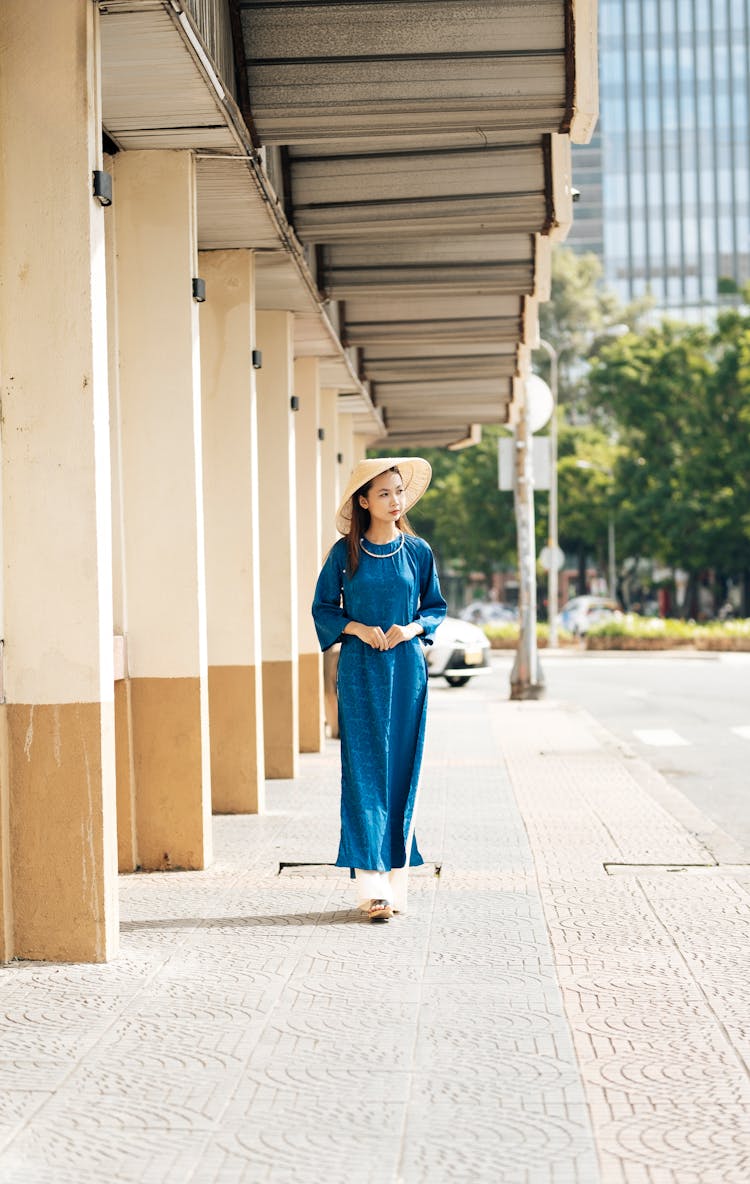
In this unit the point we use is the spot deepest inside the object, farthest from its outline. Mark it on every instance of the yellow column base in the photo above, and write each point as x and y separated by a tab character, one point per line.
237	767
64	905
172	824
281	719
311	732
127	849
6	901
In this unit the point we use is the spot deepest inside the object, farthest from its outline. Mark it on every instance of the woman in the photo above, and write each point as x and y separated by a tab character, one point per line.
378	594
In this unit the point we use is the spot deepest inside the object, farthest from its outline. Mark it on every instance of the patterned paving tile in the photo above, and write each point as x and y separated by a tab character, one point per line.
650	1009
531	1020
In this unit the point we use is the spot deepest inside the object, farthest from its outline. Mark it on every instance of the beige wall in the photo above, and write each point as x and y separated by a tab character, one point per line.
58	800
230	466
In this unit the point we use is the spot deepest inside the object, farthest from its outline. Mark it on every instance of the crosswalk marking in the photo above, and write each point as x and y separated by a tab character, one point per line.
660	737
743	730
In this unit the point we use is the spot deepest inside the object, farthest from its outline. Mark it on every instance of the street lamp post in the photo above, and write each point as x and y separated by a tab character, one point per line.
611	545
552	544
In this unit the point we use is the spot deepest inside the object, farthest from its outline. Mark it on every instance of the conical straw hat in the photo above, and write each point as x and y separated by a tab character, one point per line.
415	474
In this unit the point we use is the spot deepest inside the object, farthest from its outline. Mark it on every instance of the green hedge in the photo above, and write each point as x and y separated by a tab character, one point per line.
505	636
632	632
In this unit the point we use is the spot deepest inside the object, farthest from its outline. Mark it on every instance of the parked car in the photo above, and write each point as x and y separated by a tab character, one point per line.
580	613
483	612
459	651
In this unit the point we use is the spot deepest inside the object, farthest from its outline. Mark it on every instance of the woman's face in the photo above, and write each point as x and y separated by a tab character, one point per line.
385	498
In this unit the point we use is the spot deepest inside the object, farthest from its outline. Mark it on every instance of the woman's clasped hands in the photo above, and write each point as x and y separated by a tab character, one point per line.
379	639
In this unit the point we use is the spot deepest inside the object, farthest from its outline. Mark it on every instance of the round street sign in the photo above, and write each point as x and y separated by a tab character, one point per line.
539	402
547	554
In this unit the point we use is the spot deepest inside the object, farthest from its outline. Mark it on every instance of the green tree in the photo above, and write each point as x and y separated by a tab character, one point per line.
587	456
468	521
680	395
578	316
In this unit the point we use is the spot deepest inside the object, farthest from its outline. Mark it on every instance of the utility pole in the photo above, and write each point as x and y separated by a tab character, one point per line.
612	561
526	679
552	541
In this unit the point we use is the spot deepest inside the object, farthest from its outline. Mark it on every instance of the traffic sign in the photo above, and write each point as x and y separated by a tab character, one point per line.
547	554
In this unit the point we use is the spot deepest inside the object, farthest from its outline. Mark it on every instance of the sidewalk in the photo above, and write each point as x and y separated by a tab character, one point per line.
549	1011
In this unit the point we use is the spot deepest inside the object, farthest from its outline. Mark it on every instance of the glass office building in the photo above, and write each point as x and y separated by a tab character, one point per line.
664	184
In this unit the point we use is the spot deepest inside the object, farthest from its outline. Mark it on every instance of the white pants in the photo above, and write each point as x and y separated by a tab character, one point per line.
391	886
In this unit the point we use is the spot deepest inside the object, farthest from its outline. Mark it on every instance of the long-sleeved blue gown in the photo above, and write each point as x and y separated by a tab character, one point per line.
382	693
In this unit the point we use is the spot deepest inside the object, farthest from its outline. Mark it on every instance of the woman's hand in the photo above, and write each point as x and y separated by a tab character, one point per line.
371	635
398	633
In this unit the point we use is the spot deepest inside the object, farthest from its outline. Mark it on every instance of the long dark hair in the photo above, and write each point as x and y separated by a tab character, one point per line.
360	522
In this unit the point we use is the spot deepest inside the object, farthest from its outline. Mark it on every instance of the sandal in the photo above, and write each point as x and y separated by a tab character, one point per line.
379	910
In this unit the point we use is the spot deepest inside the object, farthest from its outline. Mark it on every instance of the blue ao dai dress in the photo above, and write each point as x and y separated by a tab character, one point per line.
382	693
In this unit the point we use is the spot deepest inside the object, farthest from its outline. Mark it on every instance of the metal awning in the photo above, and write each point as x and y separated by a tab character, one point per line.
400	166
161	89
423	151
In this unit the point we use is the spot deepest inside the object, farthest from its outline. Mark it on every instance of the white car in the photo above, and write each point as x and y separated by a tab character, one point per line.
580	613
485	612
459	651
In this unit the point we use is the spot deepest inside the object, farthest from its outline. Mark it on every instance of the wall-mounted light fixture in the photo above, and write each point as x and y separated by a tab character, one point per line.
257	359
103	187
321	433
294	403
199	290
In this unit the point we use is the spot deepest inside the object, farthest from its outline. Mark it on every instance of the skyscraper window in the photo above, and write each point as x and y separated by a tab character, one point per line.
665	182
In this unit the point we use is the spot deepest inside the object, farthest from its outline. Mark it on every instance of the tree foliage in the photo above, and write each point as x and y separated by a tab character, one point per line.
579	315
586	489
679	396
654	428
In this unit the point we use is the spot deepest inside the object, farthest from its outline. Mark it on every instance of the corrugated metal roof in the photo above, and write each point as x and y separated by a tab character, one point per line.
231	211
153	92
160	91
320	69
423	161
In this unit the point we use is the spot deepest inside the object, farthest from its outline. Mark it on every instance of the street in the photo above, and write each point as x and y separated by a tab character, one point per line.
689	717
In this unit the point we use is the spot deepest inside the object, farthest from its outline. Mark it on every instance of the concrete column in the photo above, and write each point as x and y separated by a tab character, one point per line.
330	469
309	489
346	447
359	447
230	467
332	475
127	847
57	761
278	543
6	886
162	497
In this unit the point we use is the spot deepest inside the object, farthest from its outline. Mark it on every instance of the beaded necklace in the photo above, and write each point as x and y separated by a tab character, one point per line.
374	554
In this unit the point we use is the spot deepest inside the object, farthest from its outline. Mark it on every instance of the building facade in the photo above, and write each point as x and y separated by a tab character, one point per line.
665	183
